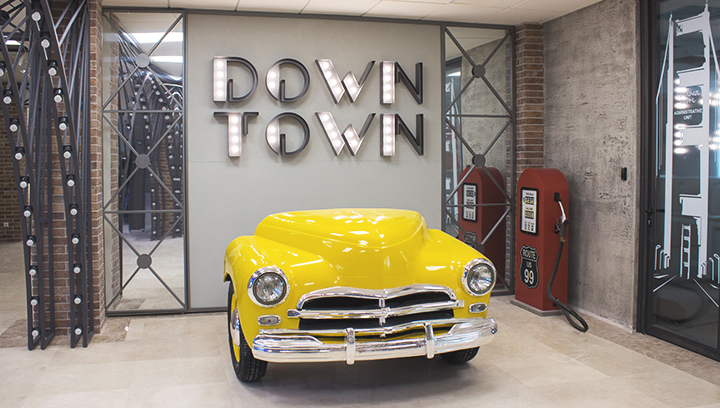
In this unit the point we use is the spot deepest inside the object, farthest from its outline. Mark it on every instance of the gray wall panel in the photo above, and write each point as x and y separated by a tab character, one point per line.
228	197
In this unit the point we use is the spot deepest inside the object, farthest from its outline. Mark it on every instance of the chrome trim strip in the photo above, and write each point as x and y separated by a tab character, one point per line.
375	313
429	341
465	334
385	330
343	291
350	349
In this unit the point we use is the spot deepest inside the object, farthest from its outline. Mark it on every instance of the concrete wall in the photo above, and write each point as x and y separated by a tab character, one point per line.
591	132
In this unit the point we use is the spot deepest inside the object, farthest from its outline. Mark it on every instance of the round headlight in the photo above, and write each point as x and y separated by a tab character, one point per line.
268	286
479	277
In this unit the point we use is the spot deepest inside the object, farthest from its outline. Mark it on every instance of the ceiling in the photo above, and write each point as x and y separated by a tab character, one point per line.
510	12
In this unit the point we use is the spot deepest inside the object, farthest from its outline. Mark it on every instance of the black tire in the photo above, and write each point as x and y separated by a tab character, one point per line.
248	368
460	356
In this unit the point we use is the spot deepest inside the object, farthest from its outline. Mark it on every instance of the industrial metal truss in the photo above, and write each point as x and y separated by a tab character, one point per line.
46	104
453	116
146	114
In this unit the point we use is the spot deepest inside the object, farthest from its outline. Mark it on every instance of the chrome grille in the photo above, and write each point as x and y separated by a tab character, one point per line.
342	307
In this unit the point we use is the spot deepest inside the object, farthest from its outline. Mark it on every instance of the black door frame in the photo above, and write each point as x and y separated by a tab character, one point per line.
648	71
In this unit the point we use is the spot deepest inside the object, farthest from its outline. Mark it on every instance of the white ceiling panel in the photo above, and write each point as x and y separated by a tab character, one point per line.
285	6
510	12
204	4
344	7
464	13
515	16
403	9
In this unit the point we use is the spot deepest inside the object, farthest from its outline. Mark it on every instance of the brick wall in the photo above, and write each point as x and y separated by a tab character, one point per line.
9	210
530	97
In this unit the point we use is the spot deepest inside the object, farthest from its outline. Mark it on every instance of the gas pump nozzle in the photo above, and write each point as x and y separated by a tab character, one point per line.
563	222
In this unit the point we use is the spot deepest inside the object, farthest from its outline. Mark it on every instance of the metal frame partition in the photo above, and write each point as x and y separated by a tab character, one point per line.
452	117
46	108
149	98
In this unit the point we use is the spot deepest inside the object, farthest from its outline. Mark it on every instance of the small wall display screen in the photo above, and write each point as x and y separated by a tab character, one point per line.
528	210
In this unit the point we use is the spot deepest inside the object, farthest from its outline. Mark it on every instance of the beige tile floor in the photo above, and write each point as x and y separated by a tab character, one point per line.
183	361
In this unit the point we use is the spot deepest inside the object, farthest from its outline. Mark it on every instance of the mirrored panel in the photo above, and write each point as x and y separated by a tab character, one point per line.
478	135
143	161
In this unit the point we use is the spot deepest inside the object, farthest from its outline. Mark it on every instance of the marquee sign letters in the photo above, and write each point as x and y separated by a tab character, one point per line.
391	125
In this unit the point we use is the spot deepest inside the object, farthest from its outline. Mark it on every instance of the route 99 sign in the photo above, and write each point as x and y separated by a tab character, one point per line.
528	267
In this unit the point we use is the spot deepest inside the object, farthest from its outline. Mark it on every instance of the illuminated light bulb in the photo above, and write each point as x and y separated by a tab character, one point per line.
336	142
271	129
7	99
353	89
272	139
77	300
33	302
328	74
220	64
333	134
32	271
325	65
67	152
333	82
14	125
234	129
272	74
234	119
219	84
19	153
272	85
30	241
235	139
388	121
352	142
52	68
63	125
387	68
71	180
235	149
388	149
387	87
58	98
24	182
678	142
325	117
77	268
78	331
337	90
388	139
75	239
28	211
45	42
220	94
35	333
388	129
387	97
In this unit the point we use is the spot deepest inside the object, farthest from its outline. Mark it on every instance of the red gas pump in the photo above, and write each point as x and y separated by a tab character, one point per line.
542	265
477	221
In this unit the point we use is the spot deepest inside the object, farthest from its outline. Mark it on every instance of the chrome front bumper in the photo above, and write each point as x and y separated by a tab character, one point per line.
292	346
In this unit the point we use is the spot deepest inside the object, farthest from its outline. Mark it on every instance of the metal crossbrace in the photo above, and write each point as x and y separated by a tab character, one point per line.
46	100
452	115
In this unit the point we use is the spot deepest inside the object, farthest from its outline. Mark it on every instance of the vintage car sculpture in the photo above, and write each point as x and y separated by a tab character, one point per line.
350	285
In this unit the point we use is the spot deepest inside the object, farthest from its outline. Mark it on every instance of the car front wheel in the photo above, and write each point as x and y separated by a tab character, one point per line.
247	367
460	356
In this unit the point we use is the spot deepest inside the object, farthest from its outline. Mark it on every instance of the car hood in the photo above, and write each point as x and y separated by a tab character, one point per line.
358	242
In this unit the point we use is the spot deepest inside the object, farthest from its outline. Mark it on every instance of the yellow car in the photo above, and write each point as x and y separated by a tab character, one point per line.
350	285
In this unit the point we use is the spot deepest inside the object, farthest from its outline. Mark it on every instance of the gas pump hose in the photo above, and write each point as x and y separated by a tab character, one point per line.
569	313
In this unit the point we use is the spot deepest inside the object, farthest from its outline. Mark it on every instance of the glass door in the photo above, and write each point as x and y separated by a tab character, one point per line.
683	285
